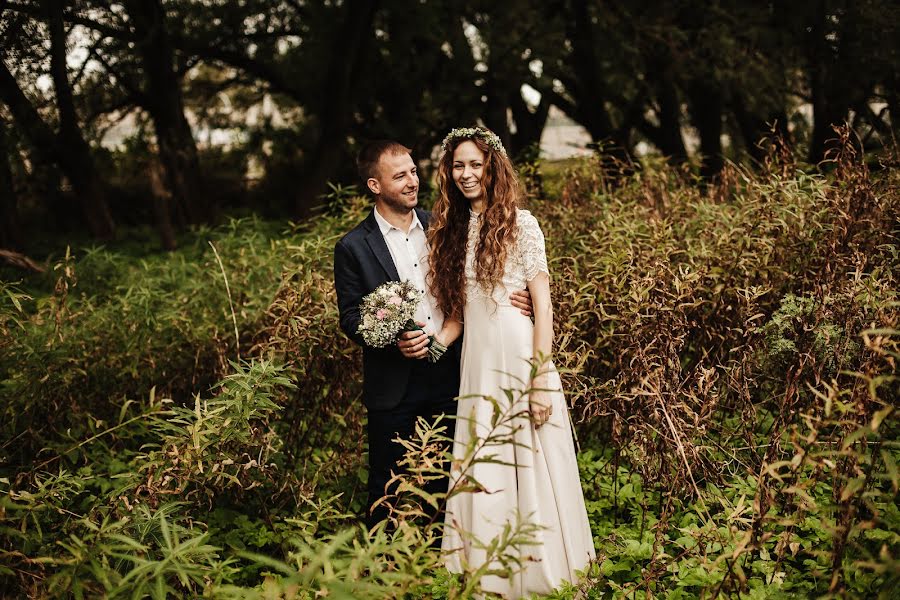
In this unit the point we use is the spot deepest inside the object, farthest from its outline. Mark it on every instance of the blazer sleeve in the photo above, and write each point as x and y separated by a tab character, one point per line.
348	284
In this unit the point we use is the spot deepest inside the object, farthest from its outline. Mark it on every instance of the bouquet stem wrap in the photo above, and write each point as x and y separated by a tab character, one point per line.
435	349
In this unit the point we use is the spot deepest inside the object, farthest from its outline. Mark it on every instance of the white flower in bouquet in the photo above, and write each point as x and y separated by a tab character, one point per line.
388	311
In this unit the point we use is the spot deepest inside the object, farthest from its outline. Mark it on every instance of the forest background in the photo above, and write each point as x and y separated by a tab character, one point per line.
181	415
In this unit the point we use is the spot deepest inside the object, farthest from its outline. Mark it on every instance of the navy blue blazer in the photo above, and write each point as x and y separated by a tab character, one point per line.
362	262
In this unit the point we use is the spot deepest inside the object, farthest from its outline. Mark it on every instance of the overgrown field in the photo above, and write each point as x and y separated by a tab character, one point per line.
731	355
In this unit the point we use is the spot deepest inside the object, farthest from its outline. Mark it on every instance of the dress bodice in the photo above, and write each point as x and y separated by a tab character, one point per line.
523	262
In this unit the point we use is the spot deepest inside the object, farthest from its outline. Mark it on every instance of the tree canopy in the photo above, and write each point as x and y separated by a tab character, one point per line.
300	84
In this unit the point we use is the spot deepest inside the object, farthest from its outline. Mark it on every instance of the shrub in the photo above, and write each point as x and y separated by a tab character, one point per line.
731	351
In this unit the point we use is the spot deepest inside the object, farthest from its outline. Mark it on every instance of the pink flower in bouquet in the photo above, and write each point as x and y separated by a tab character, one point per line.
381	314
395	300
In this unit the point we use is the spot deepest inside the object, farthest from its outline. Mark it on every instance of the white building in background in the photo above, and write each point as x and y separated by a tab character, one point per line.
563	137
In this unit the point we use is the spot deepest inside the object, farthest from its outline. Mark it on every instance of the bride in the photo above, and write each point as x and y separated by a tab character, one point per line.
482	248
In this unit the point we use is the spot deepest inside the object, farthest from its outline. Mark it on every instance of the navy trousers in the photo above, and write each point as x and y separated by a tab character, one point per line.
432	391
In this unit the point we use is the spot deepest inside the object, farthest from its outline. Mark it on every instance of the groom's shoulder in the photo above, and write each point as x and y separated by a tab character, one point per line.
424	216
357	234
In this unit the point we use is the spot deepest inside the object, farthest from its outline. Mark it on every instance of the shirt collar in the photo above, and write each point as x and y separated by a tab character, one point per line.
384	226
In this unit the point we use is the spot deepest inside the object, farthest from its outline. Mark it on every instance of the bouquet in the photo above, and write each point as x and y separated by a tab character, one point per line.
388	311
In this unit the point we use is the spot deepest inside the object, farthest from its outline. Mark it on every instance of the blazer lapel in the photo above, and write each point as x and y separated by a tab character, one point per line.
380	250
424	218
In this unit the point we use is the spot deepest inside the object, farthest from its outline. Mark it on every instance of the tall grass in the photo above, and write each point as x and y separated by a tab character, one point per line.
730	351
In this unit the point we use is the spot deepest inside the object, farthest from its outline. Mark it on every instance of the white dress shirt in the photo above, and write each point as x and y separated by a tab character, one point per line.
409	250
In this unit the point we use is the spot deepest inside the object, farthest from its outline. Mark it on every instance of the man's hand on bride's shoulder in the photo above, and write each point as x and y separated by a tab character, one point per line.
413	344
521	299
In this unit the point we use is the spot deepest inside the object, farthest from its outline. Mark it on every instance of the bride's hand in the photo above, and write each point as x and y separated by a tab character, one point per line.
541	407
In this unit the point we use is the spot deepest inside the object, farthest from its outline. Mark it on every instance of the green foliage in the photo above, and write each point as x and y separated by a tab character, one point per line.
147	553
730	352
219	444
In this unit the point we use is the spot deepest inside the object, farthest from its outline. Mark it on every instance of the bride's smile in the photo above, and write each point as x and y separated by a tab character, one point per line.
468	169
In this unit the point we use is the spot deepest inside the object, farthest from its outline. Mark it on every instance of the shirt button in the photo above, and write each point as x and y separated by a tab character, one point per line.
416	265
429	318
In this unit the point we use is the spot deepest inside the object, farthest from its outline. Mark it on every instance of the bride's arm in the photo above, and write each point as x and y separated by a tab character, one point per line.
539	399
450	332
539	287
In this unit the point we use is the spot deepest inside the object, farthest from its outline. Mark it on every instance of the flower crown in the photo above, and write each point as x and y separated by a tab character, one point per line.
489	137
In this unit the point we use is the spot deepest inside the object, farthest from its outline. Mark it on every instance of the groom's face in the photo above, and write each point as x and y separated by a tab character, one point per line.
396	181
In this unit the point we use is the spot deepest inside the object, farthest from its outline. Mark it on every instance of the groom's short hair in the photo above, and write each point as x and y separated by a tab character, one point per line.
371	153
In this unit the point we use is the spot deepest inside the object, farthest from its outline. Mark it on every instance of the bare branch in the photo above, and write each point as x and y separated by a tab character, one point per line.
123	81
126	101
258	69
74	18
92	53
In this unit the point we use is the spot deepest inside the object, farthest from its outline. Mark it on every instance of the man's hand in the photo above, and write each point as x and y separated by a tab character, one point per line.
521	299
414	344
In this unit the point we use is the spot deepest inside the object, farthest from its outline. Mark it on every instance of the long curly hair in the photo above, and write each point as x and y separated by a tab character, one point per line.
449	229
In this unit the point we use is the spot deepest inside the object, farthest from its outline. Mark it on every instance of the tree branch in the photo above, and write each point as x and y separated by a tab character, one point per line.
561	102
131	107
238	60
123	81
70	17
127	101
92	53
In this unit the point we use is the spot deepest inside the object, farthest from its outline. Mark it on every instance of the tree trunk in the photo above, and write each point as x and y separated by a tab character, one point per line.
75	154
670	138
667	137
162	200
893	104
10	232
706	114
49	148
497	90
495	115
590	101
337	105
165	103
529	125
825	112
752	127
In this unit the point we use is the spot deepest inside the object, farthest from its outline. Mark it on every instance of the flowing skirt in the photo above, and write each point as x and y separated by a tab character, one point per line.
524	478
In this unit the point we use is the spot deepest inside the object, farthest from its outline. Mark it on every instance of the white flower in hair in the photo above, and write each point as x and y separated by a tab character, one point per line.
466	133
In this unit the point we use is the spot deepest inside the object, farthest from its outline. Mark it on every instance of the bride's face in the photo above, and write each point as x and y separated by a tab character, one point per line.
468	169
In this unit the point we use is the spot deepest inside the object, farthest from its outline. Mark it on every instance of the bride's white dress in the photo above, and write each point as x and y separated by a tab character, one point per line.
539	482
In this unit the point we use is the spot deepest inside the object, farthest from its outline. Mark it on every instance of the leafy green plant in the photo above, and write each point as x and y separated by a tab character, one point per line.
730	352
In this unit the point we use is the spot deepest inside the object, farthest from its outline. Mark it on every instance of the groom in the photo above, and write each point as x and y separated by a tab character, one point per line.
399	385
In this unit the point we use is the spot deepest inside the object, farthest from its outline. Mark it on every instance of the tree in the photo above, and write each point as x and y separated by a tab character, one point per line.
847	44
419	76
161	96
67	147
310	54
336	103
10	232
83	173
136	52
509	39
586	74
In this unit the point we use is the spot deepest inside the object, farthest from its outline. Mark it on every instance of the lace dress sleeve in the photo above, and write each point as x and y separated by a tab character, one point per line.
531	246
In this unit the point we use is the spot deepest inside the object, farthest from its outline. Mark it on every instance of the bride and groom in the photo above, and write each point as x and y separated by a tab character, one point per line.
481	265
